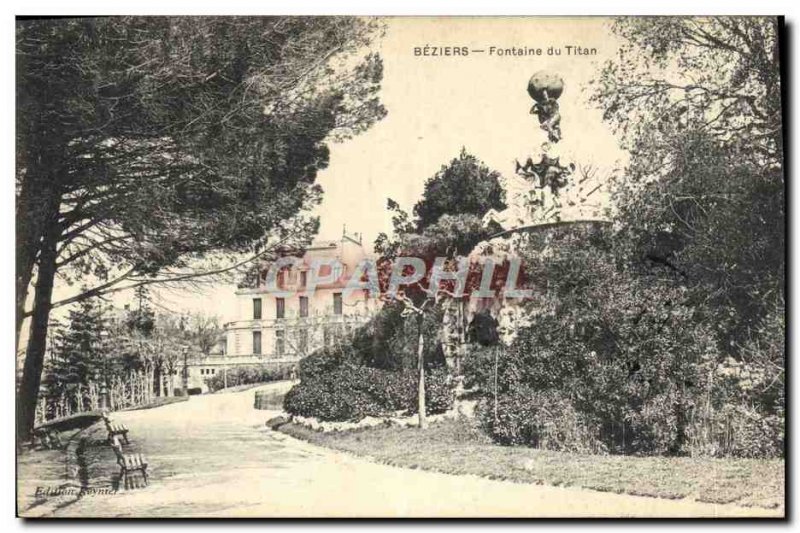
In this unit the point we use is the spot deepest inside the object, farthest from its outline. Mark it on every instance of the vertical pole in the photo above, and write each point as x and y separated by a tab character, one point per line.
495	384
185	371
423	423
104	403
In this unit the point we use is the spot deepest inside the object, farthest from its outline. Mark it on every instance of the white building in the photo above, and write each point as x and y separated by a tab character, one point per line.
285	327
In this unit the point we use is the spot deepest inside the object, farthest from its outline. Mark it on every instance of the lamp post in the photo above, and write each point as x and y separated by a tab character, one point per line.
104	403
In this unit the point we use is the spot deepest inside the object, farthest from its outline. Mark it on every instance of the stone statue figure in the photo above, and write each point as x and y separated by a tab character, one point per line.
549	118
545	88
548	172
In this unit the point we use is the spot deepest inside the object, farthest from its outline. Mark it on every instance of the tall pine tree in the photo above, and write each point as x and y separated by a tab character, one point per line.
79	361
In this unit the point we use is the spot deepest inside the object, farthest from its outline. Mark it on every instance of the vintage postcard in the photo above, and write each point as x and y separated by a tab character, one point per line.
396	267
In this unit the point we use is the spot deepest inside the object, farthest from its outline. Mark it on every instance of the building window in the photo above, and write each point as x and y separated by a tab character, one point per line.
257	343
280	307
303	306
303	278
281	281
280	342
337	303
256	308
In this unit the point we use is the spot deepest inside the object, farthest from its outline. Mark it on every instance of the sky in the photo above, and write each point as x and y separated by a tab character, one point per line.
437	105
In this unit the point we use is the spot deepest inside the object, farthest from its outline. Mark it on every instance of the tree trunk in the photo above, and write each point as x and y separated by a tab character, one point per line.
37	342
93	396
24	273
423	423
158	377
37	210
28	234
151	391
62	405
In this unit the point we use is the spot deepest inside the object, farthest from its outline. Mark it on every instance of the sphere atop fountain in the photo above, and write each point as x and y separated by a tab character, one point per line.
545	85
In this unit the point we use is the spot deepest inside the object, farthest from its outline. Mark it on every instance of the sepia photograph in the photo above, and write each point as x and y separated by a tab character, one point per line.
400	267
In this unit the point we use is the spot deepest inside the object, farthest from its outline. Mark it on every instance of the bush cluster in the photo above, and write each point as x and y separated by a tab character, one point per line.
375	372
625	362
543	420
349	392
246	375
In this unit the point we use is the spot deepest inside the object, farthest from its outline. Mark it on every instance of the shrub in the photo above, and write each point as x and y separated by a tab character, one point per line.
540	419
319	364
247	375
440	394
630	361
333	396
351	392
738	431
623	377
478	366
743	411
376	374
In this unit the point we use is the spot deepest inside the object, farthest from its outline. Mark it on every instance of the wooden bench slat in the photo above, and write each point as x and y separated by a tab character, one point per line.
48	438
115	429
129	463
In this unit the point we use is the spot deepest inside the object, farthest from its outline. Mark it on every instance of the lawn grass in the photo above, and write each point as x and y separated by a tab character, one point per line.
457	447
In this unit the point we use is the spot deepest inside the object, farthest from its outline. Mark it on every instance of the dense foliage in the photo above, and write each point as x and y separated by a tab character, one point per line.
134	356
465	186
247	375
623	356
351	392
447	219
374	372
76	362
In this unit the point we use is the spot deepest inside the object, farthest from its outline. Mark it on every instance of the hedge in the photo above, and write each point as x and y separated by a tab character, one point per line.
246	375
350	393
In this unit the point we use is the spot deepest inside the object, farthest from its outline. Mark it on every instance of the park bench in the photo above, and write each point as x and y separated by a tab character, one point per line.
48	438
128	464
115	430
